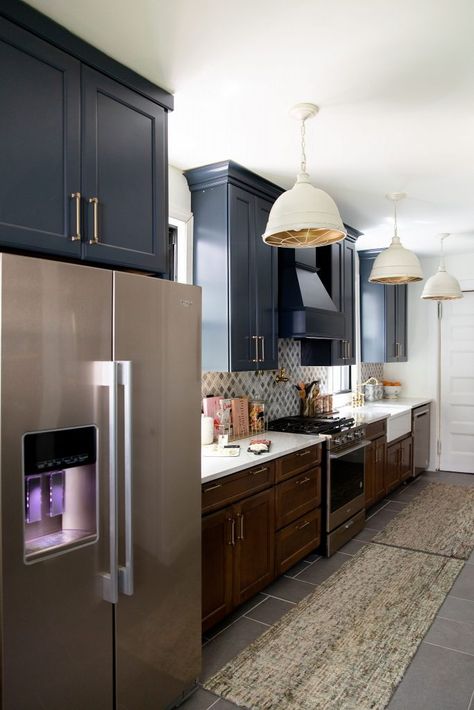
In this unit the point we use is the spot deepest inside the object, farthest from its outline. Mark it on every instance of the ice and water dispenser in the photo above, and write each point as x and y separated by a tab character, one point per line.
60	491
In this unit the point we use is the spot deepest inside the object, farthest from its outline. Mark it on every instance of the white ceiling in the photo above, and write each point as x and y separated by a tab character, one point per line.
394	80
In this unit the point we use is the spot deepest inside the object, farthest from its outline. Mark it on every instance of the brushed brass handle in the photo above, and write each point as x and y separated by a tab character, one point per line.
255	339
212	488
232	531
94	201
259	470
303	525
241	526
303	481
76	196
349	525
262	349
304	453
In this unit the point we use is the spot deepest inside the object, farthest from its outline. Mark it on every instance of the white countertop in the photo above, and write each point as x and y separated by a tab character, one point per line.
382	409
282	444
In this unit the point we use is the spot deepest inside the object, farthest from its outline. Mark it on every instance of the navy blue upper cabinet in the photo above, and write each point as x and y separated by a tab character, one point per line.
343	262
85	142
383	316
124	170
39	144
237	271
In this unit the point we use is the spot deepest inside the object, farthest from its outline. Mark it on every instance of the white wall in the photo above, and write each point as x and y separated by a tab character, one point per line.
419	375
181	216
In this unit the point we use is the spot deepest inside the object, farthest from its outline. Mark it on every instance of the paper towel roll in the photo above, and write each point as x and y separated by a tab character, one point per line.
207	430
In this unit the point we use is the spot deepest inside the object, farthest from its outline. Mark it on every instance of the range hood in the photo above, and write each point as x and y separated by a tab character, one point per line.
305	307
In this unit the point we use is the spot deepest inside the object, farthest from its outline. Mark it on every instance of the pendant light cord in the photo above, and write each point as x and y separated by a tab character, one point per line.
303	145
395	218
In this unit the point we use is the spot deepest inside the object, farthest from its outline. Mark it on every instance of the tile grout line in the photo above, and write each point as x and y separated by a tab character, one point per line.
455	621
470	702
378	511
214	703
280	599
448	648
236	620
310	564
463	599
257	621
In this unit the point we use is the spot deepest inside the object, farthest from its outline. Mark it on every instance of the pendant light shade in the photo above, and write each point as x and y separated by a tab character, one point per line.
442	286
396	265
304	216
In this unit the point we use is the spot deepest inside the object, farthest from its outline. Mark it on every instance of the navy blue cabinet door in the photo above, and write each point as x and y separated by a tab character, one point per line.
39	144
401	323
244	344
124	174
266	264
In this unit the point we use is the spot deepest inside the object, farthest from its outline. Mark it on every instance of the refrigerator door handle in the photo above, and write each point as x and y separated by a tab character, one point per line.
126	572
106	375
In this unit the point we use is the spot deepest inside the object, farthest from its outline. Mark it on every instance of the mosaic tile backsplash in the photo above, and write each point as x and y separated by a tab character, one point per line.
371	369
281	399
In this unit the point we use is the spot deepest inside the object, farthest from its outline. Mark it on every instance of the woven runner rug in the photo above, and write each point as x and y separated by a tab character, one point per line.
346	646
439	520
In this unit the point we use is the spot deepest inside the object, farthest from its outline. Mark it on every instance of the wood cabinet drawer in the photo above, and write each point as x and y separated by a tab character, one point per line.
345	532
293	464
297	496
376	429
222	491
297	539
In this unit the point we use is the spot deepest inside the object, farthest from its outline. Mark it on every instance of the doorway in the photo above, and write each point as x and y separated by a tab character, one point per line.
457	385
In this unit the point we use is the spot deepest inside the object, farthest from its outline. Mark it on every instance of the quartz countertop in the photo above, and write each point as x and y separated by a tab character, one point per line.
282	444
382	409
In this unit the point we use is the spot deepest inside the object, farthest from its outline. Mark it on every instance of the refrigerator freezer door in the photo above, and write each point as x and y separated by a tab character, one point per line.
158	628
56	320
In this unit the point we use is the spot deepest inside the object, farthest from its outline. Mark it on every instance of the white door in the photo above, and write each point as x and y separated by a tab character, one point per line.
457	385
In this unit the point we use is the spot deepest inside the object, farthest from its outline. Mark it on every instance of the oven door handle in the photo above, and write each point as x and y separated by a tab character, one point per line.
361	445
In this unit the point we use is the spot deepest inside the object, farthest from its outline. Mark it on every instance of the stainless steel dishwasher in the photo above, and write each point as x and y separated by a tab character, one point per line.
421	438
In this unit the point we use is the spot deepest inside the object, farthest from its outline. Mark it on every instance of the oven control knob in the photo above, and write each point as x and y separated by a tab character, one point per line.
350	436
337	441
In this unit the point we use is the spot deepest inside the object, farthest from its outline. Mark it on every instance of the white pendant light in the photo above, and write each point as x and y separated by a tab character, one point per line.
396	265
442	286
304	216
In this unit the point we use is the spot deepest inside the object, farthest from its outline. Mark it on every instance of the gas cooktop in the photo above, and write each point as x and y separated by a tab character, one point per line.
328	425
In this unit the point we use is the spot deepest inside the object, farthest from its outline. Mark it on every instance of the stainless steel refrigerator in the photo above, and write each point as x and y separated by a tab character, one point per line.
100	484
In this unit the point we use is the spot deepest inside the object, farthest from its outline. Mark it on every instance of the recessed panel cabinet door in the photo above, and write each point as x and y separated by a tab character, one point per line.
244	344
218	540
39	144
266	263
124	159
254	550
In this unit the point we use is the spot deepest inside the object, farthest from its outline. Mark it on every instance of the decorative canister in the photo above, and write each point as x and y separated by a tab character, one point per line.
373	390
257	416
207	430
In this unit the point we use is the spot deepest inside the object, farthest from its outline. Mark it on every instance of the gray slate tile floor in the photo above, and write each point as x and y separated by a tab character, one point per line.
441	674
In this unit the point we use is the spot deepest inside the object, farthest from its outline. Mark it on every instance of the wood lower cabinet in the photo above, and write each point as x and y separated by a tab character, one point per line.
217	559
375	462
399	465
406	458
254	528
237	554
254	545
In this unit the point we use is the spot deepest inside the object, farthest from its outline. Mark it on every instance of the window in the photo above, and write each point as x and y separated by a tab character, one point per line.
341	379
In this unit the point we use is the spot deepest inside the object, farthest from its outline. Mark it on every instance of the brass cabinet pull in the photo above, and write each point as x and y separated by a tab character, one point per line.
77	197
303	481
262	359
232	531
211	488
255	339
240	535
94	201
303	525
304	453
259	470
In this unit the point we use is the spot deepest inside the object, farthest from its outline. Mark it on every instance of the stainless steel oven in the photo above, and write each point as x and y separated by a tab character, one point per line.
345	495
